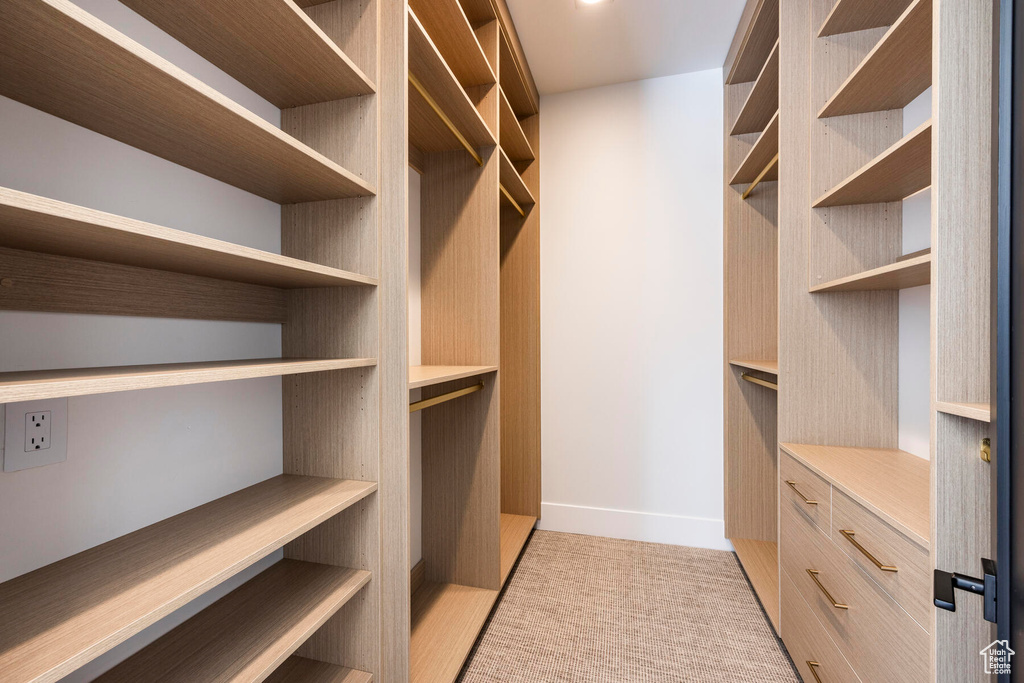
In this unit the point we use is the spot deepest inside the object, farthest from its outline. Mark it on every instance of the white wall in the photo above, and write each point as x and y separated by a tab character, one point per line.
631	310
135	458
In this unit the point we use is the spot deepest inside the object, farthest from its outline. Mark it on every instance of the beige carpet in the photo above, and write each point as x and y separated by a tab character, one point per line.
580	608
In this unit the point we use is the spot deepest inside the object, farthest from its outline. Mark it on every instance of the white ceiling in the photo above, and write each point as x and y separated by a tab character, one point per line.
622	40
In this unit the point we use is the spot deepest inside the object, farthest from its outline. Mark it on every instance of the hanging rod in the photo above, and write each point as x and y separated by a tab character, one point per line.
514	202
757	181
444	118
428	402
762	382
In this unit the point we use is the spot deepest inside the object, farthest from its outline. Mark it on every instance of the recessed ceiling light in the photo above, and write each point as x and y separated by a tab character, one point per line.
590	3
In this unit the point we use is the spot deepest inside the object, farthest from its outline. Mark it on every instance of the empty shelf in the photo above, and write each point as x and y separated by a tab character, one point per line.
912	272
301	670
427	375
448	27
972	411
515	531
427	131
33	385
247	634
274	48
513	182
895	72
857	15
760	155
769	366
513	139
513	81
446	620
895	174
763	101
112	591
760	560
891	483
64	61
757	43
49	226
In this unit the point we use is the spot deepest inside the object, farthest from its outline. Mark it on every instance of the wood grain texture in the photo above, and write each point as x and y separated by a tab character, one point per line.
247	634
448	27
64	61
892	484
512	80
34	223
769	366
446	620
273	48
417	576
515	532
31	385
973	411
751	52
427	375
302	670
354	26
848	16
900	171
513	139
760	560
913	272
115	590
807	486
807	641
763	101
760	155
513	182
895	72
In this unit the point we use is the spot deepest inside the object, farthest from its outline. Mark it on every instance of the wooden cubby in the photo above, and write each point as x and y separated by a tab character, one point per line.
474	139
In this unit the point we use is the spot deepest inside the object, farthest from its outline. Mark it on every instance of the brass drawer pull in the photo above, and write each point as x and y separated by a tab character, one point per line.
814	577
848	533
813	666
792	485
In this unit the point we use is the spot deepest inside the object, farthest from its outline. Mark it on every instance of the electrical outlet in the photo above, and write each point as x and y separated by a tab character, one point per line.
35	434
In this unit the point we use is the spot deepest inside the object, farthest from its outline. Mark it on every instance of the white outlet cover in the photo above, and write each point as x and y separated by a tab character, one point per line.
15	457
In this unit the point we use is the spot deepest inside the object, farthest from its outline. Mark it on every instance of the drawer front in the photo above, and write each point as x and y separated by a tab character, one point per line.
811	648
879	639
799	483
909	584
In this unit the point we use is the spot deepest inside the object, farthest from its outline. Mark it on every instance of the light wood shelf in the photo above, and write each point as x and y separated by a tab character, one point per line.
763	101
895	174
301	670
760	560
981	412
247	634
513	139
427	375
848	16
512	181
515	531
273	48
446	620
63	615
769	366
768	174
66	62
513	82
49	226
757	43
912	272
31	385
426	130
896	71
760	155
891	483
450	30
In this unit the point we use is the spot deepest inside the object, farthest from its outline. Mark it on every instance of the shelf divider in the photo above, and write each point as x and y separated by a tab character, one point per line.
972	411
912	272
769	366
429	375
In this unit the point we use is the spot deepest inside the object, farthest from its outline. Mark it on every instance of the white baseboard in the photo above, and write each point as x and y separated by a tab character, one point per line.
696	532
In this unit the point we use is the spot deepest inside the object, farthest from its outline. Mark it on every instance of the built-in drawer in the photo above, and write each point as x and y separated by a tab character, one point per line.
880	640
816	657
898	564
803	490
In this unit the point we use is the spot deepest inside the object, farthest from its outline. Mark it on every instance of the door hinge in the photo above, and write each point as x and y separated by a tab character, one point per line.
946	585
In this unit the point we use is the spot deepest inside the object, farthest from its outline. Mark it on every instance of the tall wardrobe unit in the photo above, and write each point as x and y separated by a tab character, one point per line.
837	528
365	88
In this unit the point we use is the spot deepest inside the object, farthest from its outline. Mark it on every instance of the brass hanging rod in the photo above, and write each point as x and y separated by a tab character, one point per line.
444	118
762	382
757	181
428	402
514	202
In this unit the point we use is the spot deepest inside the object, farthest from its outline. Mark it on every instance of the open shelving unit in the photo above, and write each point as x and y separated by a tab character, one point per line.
762	103
911	272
